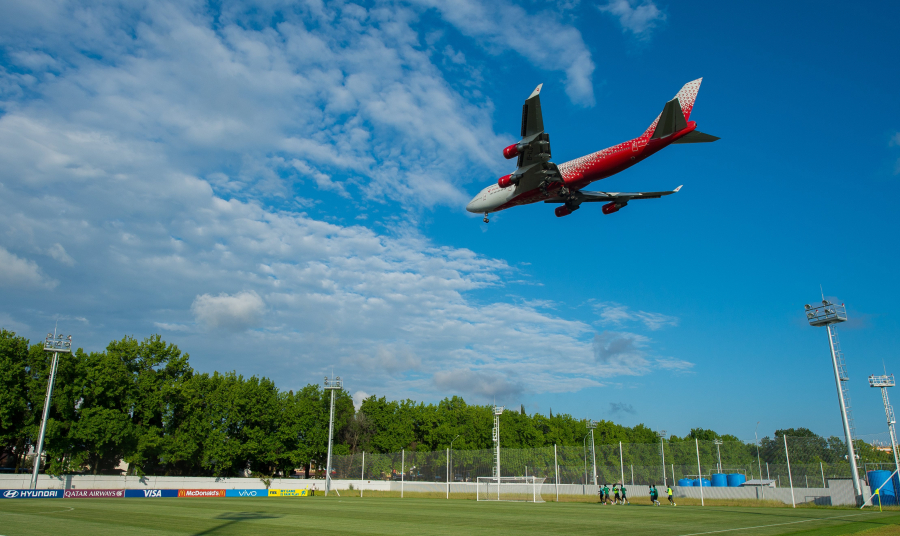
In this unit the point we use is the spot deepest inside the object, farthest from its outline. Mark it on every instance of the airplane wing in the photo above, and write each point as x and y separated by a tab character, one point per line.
619	197
533	166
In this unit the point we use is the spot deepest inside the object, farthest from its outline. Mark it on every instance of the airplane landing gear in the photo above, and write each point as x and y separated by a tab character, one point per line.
486	220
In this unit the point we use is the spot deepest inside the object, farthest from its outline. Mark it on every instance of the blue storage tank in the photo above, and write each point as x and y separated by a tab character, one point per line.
736	480
698	480
719	480
685	482
877	478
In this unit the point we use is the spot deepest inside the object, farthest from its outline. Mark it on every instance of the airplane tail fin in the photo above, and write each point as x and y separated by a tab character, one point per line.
676	113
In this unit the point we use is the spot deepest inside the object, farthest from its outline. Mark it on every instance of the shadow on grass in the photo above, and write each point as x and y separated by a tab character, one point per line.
233	518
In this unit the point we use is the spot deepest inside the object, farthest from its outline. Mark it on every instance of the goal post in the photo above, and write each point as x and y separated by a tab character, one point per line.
509	488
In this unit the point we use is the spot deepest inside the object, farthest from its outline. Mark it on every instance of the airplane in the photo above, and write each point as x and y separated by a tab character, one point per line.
536	178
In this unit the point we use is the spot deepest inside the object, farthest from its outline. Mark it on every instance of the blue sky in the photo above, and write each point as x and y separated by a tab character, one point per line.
279	189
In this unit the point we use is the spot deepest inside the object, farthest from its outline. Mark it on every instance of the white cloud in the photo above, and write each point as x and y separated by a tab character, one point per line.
174	165
58	252
617	314
639	17
484	385
241	311
18	272
677	365
538	36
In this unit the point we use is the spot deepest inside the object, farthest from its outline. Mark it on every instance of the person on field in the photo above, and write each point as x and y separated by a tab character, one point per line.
623	490
669	493
654	495
616	492
605	499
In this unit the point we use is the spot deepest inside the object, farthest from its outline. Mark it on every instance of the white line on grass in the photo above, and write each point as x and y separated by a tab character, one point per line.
773	525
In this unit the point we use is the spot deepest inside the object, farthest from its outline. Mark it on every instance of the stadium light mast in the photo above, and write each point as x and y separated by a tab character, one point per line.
718	443
333	384
662	453
592	424
883	382
828	314
55	344
498	411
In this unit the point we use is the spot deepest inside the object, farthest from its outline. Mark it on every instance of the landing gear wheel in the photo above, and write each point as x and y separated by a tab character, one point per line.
486	220
563	191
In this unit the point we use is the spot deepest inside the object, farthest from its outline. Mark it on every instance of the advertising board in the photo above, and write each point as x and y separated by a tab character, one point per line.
293	493
274	493
201	493
245	493
94	493
31	493
151	493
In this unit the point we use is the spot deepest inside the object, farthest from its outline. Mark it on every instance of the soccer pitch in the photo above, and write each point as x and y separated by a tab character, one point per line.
396	517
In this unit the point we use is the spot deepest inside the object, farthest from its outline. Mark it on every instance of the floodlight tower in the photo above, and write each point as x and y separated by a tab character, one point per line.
55	344
828	314
498	411
718	443
333	384
883	382
592	424
662	453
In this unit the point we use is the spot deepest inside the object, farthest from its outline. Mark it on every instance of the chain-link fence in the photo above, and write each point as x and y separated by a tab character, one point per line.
812	469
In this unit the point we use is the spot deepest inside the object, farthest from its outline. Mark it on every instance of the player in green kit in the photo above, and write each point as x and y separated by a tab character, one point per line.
616	492
605	499
654	495
624	498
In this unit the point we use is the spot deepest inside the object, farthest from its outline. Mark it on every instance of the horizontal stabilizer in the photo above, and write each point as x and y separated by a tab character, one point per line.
695	136
671	120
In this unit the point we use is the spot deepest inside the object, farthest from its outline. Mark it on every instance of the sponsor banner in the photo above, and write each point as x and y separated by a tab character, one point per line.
31	493
151	493
274	493
245	493
293	493
201	493
94	493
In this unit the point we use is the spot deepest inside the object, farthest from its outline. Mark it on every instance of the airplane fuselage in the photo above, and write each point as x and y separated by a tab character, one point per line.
578	173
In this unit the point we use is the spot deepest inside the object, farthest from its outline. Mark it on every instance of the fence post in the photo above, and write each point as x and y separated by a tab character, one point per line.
822	468
673	474
402	470
790	478
767	472
556	469
621	463
699	471
448	473
362	475
632	475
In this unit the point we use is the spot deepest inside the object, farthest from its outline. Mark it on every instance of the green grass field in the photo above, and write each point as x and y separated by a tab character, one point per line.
397	517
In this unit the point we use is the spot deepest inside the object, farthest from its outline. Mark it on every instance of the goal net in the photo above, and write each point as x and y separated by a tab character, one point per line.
509	488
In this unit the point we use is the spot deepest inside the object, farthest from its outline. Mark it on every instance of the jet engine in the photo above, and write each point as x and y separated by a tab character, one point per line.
506	180
565	210
512	151
609	208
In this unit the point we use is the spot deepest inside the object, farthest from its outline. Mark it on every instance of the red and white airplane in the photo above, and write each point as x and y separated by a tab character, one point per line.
538	179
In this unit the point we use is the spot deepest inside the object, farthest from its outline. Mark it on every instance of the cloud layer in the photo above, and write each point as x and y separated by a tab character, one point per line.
184	152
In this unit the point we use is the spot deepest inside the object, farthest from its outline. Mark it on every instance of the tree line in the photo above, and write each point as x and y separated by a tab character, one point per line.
141	403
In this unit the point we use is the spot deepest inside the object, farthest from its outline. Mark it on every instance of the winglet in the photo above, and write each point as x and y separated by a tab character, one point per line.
676	189
536	91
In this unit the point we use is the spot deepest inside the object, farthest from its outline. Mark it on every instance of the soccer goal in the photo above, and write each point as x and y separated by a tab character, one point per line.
509	488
